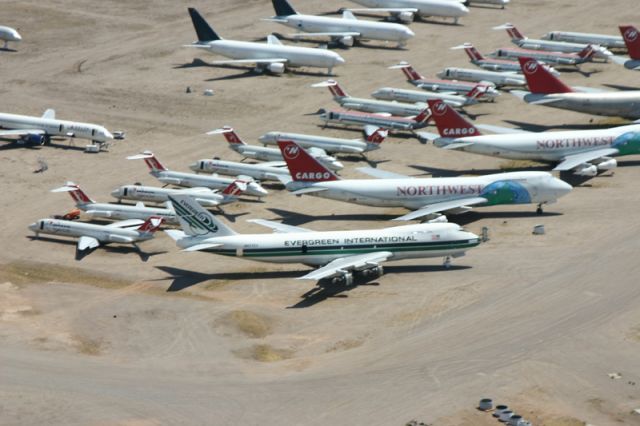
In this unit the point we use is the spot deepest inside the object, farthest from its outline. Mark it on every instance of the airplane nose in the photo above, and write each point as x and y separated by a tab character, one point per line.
561	187
33	226
16	36
107	134
339	60
408	33
116	193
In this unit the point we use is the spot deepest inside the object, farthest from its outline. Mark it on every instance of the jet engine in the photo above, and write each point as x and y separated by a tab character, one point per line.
33	139
586	170
405	17
346	41
607	165
276	67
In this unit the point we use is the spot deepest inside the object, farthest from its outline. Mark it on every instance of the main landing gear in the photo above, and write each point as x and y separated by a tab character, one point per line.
447	262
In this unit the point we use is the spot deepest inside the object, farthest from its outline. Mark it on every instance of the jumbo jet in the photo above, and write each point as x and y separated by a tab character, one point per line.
169	177
407	10
91	235
259	171
499	79
269	154
375	136
383	120
555	58
492	64
545	89
370	105
551	46
604	40
337	254
632	41
8	34
582	152
456	101
274	56
345	30
428	197
34	131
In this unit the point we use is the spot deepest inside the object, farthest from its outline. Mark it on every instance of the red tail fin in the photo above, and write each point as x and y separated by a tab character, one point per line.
78	194
472	52
449	122
587	52
631	39
513	32
335	89
378	136
231	136
302	166
236	187
477	91
423	116
411	73
153	163
151	224
539	79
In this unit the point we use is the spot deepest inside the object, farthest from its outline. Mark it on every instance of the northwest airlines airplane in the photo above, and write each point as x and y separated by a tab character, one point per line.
556	58
406	10
492	64
422	96
8	34
546	89
273	56
338	254
345	30
427	196
631	39
586	38
583	152
383	120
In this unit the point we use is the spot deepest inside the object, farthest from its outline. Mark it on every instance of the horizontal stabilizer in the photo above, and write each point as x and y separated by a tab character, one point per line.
86	242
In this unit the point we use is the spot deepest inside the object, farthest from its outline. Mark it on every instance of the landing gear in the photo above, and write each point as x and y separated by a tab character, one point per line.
539	209
447	262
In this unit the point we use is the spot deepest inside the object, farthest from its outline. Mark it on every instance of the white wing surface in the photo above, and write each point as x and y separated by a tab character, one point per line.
350	263
443	206
575	160
87	242
279	227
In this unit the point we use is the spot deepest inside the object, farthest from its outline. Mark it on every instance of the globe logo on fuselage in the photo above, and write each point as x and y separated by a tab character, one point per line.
291	152
630	34
530	67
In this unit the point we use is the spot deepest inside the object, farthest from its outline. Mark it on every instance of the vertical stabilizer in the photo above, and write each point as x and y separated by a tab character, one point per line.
539	79
195	220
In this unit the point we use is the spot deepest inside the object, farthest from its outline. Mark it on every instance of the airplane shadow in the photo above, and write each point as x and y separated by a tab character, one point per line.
438	172
70	146
621	87
247	71
231	217
295	218
541	128
474	216
8	49
580	71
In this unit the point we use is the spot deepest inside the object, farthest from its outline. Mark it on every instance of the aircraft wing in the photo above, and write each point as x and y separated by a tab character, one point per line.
457	145
21	132
327	34
202	246
499	129
87	242
571	161
381	174
125	223
443	206
308	190
340	266
251	61
279	227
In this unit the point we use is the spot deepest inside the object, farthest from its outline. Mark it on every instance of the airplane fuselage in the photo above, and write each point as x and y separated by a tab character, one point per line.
403	95
541	55
232	168
425	8
586	38
203	196
333	145
559	46
55	127
273	154
101	233
400	109
612	104
124	212
207	181
498	78
357	118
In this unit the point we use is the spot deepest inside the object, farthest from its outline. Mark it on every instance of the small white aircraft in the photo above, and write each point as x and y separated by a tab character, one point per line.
114	211
8	34
169	177
383	120
456	101
35	131
604	40
428	197
492	64
273	56
407	10
375	136
556	58
338	254
631	38
270	154
547	90
500	79
583	152
259	171
520	40
345	30
92	235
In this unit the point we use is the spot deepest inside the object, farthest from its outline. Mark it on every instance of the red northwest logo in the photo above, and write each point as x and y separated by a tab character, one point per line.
531	67
630	34
291	152
439	109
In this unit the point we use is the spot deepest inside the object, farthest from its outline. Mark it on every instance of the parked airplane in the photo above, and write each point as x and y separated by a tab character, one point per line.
114	211
385	121
8	34
92	235
375	136
406	10
556	58
169	177
457	101
492	64
481	76
273	56
547	90
604	40
440	85
204	196
427	196
260	171
345	30
338	254
583	152
33	131
270	154
632	41
552	46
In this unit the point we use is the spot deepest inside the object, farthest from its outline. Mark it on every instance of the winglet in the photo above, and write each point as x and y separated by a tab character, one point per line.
229	134
154	164
50	114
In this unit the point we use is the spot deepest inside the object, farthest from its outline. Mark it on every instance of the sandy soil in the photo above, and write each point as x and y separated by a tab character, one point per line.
165	337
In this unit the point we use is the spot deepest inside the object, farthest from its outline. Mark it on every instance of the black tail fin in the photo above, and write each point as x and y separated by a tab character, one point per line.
283	8
203	30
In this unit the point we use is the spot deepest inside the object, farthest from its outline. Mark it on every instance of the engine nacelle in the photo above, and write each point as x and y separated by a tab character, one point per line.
33	139
346	41
607	165
586	170
276	67
405	17
563	61
118	239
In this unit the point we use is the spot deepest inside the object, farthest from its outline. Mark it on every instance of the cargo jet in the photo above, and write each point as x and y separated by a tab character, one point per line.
604	40
582	152
35	131
406	10
345	30
547	90
632	41
492	64
337	254
273	56
8	34
427	196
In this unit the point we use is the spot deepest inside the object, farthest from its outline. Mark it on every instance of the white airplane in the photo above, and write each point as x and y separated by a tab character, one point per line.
546	89
407	10
8	34
604	40
269	154
440	85
345	30
169	177
205	196
370	105
375	136
520	40
91	235
456	101
273	56
556	58
383	120
34	131
583	152
632	41
114	211
492	64
481	76
428	197
259	171
338	254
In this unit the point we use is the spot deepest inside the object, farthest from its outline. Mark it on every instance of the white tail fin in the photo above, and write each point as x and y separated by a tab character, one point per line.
195	220
229	134
50	114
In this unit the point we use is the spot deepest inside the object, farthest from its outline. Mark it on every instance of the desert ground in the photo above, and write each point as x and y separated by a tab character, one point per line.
538	322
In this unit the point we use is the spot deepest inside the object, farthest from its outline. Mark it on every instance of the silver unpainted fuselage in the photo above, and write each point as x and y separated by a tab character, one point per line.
204	196
334	145
400	109
232	168
207	181
498	78
404	95
357	118
586	38
273	154
124	212
612	104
